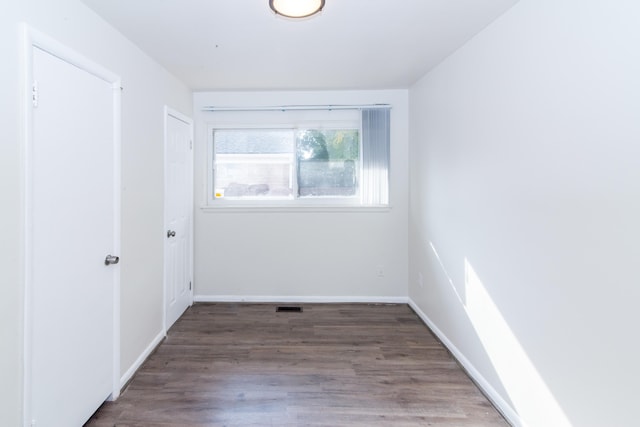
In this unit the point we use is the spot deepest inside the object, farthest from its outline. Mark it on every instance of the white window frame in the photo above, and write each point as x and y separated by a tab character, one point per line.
320	204
346	201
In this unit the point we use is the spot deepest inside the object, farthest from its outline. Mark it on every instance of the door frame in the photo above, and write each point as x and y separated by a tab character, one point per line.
168	111
33	39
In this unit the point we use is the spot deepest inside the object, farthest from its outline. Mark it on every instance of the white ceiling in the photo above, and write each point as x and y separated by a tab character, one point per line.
351	44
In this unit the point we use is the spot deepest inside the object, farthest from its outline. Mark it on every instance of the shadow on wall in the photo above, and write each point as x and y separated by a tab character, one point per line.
527	391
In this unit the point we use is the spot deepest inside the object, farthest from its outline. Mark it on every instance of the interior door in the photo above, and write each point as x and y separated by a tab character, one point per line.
73	227
178	214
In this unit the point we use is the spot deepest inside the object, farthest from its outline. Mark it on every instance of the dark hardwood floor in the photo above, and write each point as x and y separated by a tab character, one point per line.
331	365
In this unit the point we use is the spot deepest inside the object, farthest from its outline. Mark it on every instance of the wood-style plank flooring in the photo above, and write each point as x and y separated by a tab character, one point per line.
331	365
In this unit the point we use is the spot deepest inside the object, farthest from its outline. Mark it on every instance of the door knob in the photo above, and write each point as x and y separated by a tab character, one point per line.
171	233
111	259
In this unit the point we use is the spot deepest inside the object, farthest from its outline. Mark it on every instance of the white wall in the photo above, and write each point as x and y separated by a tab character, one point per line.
525	207
147	87
302	255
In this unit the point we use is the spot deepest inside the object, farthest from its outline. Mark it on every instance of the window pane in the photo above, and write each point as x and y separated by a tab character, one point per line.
328	162
253	163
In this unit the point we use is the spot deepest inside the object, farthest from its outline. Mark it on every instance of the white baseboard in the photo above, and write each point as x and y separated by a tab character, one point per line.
141	359
301	299
502	405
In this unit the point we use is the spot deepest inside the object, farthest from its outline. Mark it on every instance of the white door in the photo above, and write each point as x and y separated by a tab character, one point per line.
178	214
73	221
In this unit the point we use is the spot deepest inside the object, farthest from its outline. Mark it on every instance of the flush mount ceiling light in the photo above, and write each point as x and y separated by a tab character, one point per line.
296	8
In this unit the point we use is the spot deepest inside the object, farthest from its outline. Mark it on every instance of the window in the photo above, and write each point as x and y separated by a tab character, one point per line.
321	161
253	163
328	162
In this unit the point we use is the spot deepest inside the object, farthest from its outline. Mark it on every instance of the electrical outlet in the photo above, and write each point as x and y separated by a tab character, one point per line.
380	271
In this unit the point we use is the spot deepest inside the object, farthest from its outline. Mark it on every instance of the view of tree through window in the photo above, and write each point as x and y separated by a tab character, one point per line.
271	163
328	162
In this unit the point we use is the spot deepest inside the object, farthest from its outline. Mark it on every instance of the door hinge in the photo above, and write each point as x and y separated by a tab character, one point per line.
34	94
190	145
189	285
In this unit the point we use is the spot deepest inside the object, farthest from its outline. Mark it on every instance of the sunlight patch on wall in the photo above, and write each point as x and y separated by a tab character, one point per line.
444	270
530	395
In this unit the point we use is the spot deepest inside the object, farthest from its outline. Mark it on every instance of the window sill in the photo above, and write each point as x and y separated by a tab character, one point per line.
296	209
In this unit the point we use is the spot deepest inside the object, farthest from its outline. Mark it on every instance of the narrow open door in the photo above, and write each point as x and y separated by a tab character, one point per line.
178	214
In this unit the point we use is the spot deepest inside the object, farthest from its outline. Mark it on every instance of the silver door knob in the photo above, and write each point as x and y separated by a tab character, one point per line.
171	233
111	259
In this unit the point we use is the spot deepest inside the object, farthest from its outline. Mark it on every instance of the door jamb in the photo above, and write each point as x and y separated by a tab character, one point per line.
168	111
33	39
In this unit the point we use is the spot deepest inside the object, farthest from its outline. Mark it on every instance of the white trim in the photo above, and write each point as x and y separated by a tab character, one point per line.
208	167
302	299
35	39
502	405
164	223
48	44
178	115
117	244
168	111
212	108
262	208
141	359
26	255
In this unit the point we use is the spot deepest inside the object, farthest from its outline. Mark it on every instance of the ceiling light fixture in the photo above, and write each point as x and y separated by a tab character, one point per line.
296	8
